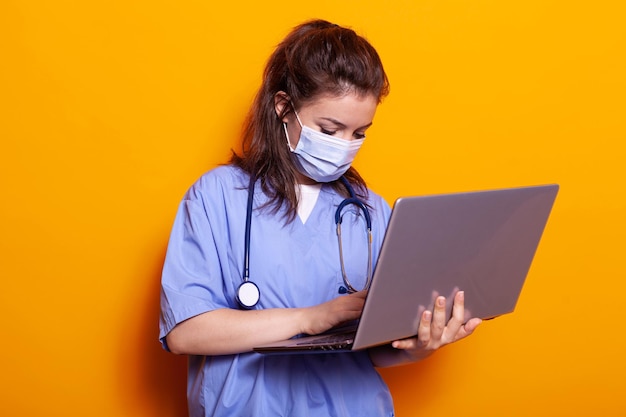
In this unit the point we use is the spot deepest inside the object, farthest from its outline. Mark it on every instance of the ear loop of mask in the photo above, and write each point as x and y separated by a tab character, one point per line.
287	136
285	126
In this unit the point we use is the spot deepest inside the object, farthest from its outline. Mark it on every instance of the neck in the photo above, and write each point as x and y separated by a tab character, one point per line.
303	179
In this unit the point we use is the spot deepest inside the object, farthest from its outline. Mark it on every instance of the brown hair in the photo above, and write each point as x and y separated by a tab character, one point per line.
316	57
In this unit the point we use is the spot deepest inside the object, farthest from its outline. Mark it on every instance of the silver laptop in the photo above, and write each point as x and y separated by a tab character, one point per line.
480	242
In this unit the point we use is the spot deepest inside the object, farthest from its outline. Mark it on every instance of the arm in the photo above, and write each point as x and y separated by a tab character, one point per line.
229	331
433	332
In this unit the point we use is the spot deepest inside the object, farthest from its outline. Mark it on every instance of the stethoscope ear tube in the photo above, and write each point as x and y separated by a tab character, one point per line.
358	203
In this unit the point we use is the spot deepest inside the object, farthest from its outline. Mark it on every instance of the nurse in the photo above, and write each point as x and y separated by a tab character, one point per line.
318	97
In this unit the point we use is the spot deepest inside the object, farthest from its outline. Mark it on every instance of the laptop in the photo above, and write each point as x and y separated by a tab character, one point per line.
481	242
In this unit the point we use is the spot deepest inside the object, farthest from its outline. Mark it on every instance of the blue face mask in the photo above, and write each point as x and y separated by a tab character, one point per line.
322	157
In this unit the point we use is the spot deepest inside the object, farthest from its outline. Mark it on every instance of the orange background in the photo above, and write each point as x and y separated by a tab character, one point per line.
109	110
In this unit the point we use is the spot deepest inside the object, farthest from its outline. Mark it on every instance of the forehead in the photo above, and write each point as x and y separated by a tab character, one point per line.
350	109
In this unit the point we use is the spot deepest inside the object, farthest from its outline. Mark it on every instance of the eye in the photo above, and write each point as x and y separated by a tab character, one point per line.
328	132
358	135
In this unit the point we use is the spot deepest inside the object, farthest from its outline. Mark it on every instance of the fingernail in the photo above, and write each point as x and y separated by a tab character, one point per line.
461	295
441	302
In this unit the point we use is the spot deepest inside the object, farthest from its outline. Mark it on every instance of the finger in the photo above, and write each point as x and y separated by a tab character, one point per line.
439	319
458	308
468	328
359	294
433	296
423	331
454	291
406	344
458	317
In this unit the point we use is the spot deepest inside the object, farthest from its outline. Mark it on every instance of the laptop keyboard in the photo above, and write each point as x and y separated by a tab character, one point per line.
330	339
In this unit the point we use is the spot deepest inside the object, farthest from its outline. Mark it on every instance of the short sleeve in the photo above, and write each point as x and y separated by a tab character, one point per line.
192	280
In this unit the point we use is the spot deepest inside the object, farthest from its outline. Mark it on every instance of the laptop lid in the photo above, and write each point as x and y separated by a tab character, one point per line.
480	242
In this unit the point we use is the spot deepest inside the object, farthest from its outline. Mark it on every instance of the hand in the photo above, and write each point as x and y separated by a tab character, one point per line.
433	331
339	310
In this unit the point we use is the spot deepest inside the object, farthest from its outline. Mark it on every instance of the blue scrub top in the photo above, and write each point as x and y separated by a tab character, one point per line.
294	265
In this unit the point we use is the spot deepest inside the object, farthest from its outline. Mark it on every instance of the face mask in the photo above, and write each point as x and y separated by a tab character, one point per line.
322	157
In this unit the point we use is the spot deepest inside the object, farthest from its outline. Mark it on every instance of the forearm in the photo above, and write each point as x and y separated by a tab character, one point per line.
229	331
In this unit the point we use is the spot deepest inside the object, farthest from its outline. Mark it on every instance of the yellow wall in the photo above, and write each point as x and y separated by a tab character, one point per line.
109	110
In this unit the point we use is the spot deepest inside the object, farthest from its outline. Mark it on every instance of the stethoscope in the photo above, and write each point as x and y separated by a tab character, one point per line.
248	294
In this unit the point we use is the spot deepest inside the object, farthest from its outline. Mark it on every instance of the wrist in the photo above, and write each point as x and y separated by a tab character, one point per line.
302	318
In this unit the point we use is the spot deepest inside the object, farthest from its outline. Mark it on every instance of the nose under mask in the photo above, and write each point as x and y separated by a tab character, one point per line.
322	157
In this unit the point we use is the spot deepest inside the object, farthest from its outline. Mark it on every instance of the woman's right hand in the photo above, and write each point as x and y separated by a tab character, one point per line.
332	313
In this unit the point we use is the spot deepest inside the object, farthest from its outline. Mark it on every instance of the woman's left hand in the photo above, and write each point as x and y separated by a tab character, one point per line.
433	331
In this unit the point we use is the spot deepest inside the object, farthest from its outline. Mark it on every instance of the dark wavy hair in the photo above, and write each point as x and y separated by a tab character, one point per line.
316	58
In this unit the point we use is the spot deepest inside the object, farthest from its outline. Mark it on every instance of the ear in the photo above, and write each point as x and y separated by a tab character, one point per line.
281	99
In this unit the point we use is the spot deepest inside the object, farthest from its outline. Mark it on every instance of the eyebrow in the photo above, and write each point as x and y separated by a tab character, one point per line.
343	126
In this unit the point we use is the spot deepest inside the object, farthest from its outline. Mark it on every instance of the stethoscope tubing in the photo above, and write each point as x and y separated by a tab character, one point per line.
248	293
246	260
368	221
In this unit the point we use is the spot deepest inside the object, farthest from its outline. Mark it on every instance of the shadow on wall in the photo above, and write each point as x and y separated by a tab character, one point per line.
153	380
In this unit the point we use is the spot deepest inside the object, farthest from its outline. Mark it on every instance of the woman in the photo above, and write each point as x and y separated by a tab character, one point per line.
320	91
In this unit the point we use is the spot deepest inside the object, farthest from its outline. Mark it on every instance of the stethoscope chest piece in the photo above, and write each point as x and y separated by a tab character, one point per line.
248	295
